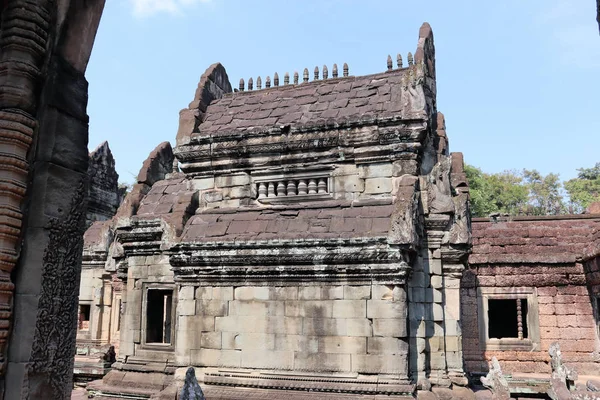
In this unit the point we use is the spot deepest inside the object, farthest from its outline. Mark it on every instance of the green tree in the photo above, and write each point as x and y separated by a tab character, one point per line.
545	196
502	192
585	189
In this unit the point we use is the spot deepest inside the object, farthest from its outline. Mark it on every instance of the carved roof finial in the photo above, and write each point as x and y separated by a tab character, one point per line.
410	59
268	82
390	64
325	72
316	73
296	78
241	84
399	60
250	84
286	79
276	79
258	83
345	69
334	73
305	75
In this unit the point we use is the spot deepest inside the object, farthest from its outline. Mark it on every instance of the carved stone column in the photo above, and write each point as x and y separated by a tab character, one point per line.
44	49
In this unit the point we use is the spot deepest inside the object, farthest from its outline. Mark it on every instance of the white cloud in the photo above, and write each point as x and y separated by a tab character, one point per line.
146	8
573	31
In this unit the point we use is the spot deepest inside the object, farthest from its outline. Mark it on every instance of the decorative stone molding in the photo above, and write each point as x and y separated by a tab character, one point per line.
292	262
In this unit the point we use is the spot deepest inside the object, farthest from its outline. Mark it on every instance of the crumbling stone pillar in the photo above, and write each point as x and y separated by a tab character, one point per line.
43	99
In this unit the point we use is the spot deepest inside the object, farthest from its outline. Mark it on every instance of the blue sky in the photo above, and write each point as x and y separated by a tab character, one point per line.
518	81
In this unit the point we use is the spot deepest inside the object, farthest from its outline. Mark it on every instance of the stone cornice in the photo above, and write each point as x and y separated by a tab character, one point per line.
366	140
358	261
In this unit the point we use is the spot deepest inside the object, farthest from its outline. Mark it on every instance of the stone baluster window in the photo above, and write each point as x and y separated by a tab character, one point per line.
292	189
509	319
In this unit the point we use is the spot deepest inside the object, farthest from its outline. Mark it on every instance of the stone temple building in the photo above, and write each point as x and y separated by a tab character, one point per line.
312	236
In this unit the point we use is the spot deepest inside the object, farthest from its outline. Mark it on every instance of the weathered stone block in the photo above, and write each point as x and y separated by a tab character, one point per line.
204	293
215	308
349	308
437	282
383	170
324	362
342	344
324	326
350	183
357	292
216	358
378	185
358	327
232	180
435	266
309	308
283	293
386	309
209	340
203	183
437	312
390	327
222	293
279	360
386	345
248	340
196	323
256	308
251	293
380	364
300	343
186	293
186	307
382	292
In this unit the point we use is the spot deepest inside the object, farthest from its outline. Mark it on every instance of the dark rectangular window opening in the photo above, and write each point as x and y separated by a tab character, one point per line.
507	318
158	316
84	316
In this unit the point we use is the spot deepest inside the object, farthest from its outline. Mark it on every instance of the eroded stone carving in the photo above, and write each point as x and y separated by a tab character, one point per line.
191	390
55	332
496	382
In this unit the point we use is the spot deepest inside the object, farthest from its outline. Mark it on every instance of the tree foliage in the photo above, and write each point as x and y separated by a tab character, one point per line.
585	189
495	193
529	192
545	196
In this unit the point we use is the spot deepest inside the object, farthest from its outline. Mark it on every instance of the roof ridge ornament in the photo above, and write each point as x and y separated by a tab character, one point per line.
399	60
335	71
345	70
410	59
276	79
390	64
325	72
241	84
250	84
296	78
305	75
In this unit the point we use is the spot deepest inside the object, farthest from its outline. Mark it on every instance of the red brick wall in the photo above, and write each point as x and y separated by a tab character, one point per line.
565	310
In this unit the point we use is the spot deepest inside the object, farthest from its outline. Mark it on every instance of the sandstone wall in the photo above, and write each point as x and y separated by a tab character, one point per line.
358	329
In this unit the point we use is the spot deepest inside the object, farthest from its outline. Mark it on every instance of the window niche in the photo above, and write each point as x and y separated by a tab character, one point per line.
508	319
84	317
158	315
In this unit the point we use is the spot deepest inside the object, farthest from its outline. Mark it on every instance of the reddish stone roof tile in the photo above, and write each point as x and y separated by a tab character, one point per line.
313	102
351	222
543	240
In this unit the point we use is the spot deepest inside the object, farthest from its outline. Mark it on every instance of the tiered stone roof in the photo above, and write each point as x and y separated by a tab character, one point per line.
319	102
532	240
